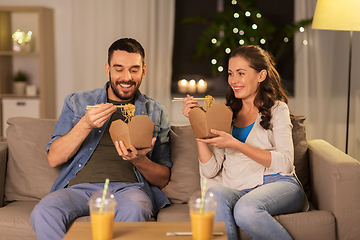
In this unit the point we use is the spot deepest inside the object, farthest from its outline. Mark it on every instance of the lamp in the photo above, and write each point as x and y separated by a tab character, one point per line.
340	15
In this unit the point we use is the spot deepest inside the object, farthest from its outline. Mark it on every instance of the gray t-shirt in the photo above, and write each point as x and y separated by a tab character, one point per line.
105	161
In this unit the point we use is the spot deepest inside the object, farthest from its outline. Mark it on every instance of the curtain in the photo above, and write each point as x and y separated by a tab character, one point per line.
97	24
321	82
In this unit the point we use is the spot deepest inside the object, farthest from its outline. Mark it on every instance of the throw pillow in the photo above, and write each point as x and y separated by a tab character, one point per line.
301	158
29	176
185	178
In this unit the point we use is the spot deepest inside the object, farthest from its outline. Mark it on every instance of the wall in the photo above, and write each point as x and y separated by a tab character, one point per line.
318	111
62	39
84	29
321	82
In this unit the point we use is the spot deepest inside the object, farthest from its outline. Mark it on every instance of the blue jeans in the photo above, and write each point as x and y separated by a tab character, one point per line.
55	212
252	209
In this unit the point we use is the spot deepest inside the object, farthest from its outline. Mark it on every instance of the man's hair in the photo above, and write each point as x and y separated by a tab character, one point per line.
129	45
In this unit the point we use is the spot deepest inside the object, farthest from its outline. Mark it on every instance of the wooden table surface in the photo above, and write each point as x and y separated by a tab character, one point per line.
141	230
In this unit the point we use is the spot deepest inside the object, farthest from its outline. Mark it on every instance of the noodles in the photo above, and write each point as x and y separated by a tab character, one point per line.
128	111
208	102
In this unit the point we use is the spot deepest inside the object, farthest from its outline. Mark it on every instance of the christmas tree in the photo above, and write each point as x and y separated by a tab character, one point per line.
242	24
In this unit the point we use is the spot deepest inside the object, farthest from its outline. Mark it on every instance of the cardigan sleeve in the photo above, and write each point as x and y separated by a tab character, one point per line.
211	168
282	157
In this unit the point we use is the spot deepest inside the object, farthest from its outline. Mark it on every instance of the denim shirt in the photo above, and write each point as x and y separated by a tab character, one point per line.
75	108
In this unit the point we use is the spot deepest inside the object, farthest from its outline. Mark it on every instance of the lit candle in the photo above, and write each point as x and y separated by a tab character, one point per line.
192	86
183	86
201	86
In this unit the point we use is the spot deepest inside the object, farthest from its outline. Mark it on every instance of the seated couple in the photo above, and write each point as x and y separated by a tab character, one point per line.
254	182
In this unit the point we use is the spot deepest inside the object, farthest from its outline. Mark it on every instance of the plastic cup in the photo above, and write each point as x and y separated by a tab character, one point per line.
202	216
102	215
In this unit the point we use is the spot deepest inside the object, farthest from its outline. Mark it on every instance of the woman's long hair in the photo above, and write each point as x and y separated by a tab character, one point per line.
269	91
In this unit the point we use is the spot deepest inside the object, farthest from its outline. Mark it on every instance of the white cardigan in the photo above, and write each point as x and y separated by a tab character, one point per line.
233	169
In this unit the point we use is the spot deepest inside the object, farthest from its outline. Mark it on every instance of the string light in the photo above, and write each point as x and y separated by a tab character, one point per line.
302	29
242	41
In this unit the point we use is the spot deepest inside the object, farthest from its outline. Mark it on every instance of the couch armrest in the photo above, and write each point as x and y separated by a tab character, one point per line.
3	161
335	182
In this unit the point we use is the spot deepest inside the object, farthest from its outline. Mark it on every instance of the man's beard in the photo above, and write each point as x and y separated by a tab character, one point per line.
123	96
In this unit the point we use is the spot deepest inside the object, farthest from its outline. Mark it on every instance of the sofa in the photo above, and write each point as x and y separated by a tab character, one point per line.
331	180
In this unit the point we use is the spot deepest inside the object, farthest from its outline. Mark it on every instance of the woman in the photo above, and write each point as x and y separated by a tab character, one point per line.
254	166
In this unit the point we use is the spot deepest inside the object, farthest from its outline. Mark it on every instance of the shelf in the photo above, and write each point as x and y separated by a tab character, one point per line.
13	53
39	63
10	95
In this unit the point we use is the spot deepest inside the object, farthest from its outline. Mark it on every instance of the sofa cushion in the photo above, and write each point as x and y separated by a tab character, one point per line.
29	176
185	178
301	158
174	213
319	225
15	221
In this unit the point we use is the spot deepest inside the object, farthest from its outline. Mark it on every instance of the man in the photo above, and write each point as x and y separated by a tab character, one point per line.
81	143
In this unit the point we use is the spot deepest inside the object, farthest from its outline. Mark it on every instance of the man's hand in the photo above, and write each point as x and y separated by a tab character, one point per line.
134	154
97	116
62	149
154	173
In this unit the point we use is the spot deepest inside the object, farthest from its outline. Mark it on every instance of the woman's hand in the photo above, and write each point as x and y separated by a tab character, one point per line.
189	103
223	140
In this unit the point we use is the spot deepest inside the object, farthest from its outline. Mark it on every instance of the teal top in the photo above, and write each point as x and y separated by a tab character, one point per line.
242	133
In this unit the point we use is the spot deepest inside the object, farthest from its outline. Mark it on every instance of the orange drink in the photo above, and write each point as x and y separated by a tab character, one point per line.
202	211
202	224
102	225
102	212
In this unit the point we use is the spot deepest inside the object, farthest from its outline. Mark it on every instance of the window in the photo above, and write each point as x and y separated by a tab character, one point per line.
279	12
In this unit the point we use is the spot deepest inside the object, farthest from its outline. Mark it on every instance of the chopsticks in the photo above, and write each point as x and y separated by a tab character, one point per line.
180	99
91	107
189	233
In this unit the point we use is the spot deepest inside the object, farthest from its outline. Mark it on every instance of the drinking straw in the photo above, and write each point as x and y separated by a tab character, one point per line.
203	191
104	195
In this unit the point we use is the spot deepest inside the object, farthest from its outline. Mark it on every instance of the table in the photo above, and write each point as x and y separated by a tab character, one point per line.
141	230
